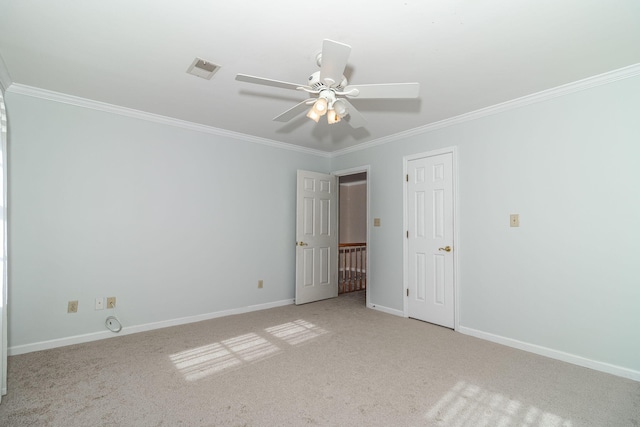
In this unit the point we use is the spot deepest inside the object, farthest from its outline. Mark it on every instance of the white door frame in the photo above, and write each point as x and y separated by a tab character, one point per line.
351	171
405	225
4	264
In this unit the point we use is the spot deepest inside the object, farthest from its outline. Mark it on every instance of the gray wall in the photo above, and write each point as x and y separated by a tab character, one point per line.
353	213
569	278
166	218
172	222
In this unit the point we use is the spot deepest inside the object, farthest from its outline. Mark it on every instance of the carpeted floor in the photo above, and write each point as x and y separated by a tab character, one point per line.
330	363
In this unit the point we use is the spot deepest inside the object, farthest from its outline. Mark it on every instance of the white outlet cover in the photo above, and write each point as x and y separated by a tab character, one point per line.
99	303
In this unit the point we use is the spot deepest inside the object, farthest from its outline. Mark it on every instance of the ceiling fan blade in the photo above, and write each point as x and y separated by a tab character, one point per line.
385	90
294	111
355	120
334	60
268	82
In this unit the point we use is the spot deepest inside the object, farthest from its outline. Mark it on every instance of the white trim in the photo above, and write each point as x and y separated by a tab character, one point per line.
405	240
4	276
155	118
584	84
456	241
387	310
405	226
95	336
351	171
554	354
5	77
545	95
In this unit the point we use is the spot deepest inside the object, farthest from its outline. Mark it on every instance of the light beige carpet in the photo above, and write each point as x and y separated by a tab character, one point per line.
330	363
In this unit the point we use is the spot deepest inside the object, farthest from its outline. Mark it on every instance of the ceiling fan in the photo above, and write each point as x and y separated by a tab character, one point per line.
329	89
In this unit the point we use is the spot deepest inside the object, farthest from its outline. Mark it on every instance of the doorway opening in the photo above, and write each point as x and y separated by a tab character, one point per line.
352	235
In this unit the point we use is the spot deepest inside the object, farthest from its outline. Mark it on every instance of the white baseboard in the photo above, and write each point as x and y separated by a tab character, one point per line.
95	336
554	354
386	310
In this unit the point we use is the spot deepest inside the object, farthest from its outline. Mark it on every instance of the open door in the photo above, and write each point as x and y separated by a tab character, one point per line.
316	237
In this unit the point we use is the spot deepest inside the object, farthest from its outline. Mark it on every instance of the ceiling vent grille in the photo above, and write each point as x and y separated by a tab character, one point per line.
202	68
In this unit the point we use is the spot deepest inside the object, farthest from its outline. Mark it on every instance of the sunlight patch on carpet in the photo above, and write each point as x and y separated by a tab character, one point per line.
210	359
296	332
468	405
201	362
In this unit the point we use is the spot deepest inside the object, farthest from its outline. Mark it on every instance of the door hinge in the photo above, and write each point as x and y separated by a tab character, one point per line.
407	291
407	234
407	178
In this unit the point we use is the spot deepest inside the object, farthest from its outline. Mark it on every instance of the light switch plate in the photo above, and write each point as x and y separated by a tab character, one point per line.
72	306
376	222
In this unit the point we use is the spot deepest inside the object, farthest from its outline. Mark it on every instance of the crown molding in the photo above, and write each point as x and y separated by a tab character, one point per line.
156	118
545	95
580	85
5	77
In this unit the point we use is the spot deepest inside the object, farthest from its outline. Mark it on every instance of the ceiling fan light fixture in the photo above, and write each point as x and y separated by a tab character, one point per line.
340	108
319	109
313	115
332	117
320	106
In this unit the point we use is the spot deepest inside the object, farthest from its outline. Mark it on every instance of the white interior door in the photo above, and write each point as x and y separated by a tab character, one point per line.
430	290
316	237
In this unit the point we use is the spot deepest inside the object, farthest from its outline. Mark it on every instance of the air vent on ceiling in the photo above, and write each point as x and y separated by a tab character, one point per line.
201	68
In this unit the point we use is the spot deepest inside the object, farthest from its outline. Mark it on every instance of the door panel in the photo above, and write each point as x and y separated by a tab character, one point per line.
430	221
316	237
439	279
421	276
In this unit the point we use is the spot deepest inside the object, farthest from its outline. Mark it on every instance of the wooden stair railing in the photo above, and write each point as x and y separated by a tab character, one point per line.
352	268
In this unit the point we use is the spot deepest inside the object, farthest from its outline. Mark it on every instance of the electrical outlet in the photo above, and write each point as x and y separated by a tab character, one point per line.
72	307
100	303
111	302
260	283
514	220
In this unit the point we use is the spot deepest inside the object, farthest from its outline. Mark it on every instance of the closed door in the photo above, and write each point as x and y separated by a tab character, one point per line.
316	237
430	290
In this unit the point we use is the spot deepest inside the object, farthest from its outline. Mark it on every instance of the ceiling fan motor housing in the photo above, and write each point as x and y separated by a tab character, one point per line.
316	84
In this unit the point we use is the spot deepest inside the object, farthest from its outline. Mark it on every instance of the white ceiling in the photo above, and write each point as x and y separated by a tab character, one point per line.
465	54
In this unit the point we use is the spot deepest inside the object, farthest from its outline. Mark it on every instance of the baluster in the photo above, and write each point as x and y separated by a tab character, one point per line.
364	267
359	268
352	267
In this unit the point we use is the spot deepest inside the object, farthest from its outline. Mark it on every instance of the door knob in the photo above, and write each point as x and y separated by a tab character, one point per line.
303	244
446	249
